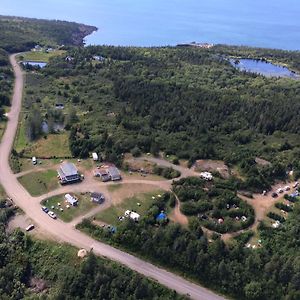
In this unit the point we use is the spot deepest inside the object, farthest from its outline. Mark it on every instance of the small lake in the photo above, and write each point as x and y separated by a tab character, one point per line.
40	64
263	68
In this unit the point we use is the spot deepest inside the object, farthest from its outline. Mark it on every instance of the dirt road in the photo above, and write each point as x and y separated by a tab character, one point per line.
67	234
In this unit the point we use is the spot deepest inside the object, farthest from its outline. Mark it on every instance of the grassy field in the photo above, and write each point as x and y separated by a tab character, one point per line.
40	183
2	192
21	141
40	55
110	215
54	145
68	214
114	187
2	128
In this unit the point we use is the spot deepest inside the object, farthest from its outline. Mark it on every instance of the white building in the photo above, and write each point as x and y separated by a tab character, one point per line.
71	200
132	215
206	175
95	156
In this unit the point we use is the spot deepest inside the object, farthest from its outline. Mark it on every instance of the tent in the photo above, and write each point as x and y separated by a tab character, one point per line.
162	216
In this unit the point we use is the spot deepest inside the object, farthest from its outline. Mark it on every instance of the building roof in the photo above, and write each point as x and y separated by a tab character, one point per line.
113	171
97	196
71	199
68	169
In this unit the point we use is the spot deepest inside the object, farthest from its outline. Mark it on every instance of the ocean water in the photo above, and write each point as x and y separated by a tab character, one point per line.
262	23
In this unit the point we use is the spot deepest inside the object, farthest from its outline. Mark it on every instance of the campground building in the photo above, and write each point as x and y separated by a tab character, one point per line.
97	198
68	173
71	200
114	173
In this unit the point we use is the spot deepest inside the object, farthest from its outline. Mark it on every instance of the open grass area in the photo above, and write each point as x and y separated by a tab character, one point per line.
54	145
2	128
2	192
51	146
39	183
68	214
40	55
21	141
114	187
111	214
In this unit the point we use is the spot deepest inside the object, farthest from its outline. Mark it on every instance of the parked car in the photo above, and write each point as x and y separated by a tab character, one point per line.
287	188
30	227
52	215
45	209
274	195
295	184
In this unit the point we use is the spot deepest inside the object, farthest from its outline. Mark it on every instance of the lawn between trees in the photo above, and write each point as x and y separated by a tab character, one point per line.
39	183
139	203
68	214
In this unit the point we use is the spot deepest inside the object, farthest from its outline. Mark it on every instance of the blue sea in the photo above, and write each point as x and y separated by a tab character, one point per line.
262	23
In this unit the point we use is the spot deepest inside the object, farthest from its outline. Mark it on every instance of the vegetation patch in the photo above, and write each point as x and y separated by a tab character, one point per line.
40	55
140	204
41	269
217	208
53	145
67	212
39	183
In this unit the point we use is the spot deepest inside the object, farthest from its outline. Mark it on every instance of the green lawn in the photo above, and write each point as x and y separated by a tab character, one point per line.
54	145
68	214
40	55
39	183
111	214
2	192
2	128
21	141
114	187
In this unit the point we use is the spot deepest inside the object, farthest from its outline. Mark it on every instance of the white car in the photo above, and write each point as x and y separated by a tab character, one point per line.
280	190
287	188
295	184
30	227
52	215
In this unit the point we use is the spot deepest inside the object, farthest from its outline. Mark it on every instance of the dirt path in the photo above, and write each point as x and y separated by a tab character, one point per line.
177	216
65	233
261	205
185	172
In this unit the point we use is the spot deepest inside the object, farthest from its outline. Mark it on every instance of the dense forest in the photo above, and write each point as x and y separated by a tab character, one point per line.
6	81
184	101
35	269
271	271
19	34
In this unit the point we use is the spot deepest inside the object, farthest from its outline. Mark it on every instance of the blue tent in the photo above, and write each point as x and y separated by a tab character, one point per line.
162	216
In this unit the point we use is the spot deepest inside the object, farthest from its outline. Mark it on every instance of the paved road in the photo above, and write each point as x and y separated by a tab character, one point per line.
67	234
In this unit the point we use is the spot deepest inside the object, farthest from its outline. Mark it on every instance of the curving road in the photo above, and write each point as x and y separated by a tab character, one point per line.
63	233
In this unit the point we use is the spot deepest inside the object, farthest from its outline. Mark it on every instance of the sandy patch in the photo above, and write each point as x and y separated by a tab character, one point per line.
212	166
177	216
130	190
21	221
262	162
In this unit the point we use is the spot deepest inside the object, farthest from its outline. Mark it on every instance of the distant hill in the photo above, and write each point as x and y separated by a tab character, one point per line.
20	34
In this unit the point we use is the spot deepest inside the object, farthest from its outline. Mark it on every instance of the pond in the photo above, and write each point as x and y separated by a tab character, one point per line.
40	64
263	68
